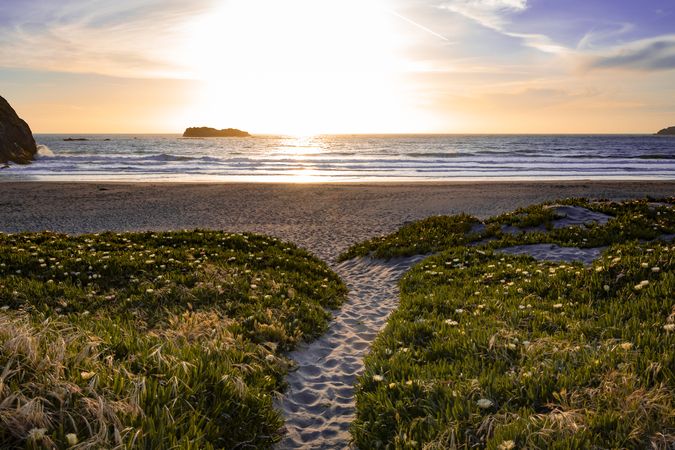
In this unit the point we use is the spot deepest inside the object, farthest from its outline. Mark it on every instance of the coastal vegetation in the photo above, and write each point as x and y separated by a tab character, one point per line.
152	340
501	351
417	238
643	219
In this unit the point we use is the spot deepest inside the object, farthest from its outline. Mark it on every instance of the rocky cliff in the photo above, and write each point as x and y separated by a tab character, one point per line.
16	140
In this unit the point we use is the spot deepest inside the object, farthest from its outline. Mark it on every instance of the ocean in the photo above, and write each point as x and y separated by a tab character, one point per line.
349	158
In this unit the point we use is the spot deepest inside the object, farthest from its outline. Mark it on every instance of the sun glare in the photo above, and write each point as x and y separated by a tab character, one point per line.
298	67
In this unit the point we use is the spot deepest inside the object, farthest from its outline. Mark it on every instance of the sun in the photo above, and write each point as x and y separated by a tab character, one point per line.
297	67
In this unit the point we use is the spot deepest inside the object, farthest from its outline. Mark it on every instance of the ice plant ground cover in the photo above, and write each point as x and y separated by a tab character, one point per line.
631	220
503	351
152	340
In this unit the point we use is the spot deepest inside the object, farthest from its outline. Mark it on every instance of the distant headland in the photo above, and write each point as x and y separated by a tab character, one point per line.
212	132
670	131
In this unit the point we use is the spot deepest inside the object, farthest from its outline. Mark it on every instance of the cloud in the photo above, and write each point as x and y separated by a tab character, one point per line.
606	32
649	55
493	14
489	13
124	38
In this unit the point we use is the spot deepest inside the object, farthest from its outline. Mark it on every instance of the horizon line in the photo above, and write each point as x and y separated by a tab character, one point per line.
164	133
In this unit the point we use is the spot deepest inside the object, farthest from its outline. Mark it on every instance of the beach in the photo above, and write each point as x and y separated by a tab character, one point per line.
319	402
323	218
408	224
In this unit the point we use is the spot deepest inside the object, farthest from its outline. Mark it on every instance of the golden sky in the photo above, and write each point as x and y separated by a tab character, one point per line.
348	66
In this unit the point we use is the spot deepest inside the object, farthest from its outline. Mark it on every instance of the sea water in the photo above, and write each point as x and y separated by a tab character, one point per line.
349	158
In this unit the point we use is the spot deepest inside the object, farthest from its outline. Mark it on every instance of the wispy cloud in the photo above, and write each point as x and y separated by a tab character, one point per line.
489	13
494	14
599	35
653	54
416	24
125	38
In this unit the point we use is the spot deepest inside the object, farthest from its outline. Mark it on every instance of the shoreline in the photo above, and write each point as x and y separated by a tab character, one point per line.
324	218
392	183
295	180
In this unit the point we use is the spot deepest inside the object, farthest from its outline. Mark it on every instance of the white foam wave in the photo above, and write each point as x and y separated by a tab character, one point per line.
44	152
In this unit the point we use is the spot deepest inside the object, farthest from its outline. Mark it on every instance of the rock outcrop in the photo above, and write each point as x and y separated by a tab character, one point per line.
16	140
670	131
212	132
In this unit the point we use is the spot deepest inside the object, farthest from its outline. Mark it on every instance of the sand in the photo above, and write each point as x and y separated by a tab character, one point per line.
574	216
569	216
325	219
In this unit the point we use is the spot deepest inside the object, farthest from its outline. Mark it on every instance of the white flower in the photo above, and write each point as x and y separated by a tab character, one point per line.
459	311
656	269
506	445
71	438
558	305
37	434
452	323
606	287
642	284
484	403
149	291
378	378
669	327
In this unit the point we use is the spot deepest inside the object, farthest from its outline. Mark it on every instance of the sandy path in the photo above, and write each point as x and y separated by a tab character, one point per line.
319	403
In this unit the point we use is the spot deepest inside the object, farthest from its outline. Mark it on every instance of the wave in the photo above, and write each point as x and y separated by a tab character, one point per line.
44	152
655	156
643	156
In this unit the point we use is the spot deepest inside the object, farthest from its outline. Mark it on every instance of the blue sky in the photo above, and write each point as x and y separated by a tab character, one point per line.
340	66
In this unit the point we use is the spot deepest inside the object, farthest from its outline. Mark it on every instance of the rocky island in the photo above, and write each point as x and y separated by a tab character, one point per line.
212	132
670	131
16	140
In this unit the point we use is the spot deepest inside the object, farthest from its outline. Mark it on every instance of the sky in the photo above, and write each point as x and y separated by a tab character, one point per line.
340	66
